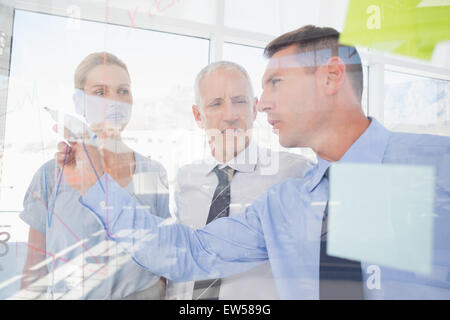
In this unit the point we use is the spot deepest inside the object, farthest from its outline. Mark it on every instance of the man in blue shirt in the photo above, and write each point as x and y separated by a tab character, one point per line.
312	93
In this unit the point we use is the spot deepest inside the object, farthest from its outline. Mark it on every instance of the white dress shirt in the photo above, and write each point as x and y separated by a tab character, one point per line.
256	170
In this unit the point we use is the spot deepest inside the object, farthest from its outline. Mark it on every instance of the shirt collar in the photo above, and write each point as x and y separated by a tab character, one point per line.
368	148
245	161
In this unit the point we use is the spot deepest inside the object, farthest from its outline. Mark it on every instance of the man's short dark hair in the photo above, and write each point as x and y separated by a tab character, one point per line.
326	41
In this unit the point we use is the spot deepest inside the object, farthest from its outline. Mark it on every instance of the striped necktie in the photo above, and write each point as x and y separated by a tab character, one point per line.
220	207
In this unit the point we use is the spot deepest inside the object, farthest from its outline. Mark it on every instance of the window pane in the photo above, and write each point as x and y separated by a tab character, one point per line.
251	58
253	15
294	13
45	53
203	11
278	16
416	104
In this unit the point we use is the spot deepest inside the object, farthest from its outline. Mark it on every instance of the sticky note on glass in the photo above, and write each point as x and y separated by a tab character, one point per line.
408	27
382	214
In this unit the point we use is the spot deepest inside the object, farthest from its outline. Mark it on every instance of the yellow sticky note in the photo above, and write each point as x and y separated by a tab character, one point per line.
406	27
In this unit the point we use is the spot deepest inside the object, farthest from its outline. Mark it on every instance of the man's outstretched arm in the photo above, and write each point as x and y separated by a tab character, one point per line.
224	247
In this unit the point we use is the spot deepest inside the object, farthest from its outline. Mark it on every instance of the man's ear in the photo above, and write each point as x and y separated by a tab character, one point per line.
197	116
334	74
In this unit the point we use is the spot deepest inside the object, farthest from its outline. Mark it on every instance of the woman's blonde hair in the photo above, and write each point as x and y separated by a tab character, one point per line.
93	60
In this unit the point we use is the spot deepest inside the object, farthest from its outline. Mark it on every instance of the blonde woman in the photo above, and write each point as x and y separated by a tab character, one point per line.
69	256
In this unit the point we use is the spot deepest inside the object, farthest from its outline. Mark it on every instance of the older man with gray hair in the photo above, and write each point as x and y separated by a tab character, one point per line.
235	172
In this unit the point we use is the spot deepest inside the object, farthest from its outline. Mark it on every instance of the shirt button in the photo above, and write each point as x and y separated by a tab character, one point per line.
102	204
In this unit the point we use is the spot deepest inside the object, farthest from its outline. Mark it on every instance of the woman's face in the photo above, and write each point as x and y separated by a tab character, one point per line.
108	97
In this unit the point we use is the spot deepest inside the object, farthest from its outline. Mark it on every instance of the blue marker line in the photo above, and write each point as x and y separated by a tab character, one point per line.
50	214
50	217
92	165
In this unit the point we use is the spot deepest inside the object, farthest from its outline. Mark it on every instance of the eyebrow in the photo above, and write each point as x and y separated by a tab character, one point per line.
215	100
239	97
105	85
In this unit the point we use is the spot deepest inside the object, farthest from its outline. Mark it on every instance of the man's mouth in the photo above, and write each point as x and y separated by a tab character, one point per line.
231	131
274	123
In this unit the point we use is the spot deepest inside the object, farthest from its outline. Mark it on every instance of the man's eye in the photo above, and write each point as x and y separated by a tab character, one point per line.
274	81
99	93
124	92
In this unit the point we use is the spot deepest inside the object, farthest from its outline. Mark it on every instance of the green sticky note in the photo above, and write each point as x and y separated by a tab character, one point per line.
406	27
382	214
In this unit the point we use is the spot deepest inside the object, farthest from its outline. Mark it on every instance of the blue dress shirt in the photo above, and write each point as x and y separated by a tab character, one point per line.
284	226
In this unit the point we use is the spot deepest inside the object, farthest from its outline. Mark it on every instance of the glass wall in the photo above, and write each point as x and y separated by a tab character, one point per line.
163	44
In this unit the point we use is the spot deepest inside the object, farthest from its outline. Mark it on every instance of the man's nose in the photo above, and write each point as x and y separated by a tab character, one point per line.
264	104
230	112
